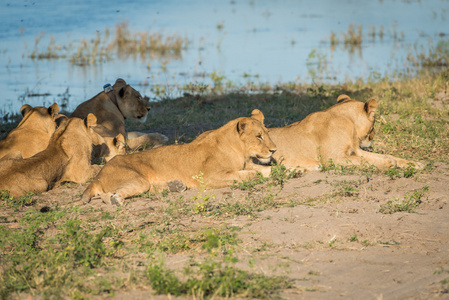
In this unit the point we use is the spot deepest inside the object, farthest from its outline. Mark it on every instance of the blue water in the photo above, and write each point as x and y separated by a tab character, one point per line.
271	41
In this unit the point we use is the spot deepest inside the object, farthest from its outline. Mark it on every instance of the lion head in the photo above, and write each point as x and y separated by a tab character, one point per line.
254	134
105	148
365	128
40	116
130	102
367	133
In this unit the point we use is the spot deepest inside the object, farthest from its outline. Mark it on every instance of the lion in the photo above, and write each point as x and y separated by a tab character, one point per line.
105	148
337	133
66	158
34	131
220	155
112	108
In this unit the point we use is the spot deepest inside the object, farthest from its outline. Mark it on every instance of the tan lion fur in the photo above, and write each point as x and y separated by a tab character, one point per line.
67	158
221	155
337	133
33	133
111	110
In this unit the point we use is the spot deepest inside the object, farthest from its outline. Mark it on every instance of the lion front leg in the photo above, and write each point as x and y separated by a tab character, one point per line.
226	179
403	163
380	161
138	140
125	190
264	170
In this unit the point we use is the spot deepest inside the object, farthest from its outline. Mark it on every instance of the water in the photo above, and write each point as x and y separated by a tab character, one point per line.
264	41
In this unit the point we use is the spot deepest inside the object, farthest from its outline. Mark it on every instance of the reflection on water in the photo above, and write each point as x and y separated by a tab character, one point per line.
65	51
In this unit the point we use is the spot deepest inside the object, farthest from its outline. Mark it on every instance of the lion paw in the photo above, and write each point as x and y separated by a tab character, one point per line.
418	165
390	162
177	186
159	138
116	200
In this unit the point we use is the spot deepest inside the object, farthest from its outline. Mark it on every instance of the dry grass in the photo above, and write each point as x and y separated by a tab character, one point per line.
121	43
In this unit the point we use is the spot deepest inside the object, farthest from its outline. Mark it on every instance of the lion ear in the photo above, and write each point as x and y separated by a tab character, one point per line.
342	98
53	110
90	121
120	81
258	115
25	109
121	92
244	125
60	120
370	108
119	141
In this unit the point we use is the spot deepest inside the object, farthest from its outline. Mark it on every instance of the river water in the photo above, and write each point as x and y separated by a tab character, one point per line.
262	41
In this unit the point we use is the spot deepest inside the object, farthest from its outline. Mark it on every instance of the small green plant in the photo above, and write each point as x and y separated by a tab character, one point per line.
280	174
201	200
250	184
328	166
411	202
218	239
393	172
346	188
410	170
354	238
235	209
366	243
444	282
313	273
392	242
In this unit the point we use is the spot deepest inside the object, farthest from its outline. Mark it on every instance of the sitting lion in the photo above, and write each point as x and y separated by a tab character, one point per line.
336	133
67	158
221	155
33	133
111	110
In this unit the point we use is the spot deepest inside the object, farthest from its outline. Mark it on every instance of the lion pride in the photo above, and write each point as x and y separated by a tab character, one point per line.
66	158
337	133
221	155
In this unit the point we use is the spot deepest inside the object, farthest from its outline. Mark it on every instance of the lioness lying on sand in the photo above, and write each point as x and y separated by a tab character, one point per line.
221	155
67	158
111	110
336	133
33	133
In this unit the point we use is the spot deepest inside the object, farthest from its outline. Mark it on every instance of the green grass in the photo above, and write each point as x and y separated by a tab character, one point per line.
211	279
445	281
409	204
15	203
163	239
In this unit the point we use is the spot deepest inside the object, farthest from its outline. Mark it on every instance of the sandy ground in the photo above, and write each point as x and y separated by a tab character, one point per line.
332	244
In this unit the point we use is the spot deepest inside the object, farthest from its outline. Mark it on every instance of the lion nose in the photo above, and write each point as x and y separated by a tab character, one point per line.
148	108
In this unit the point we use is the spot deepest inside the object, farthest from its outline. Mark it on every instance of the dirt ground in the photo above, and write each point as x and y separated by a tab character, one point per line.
332	244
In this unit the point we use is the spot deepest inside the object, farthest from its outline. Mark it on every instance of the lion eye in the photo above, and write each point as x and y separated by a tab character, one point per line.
260	137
